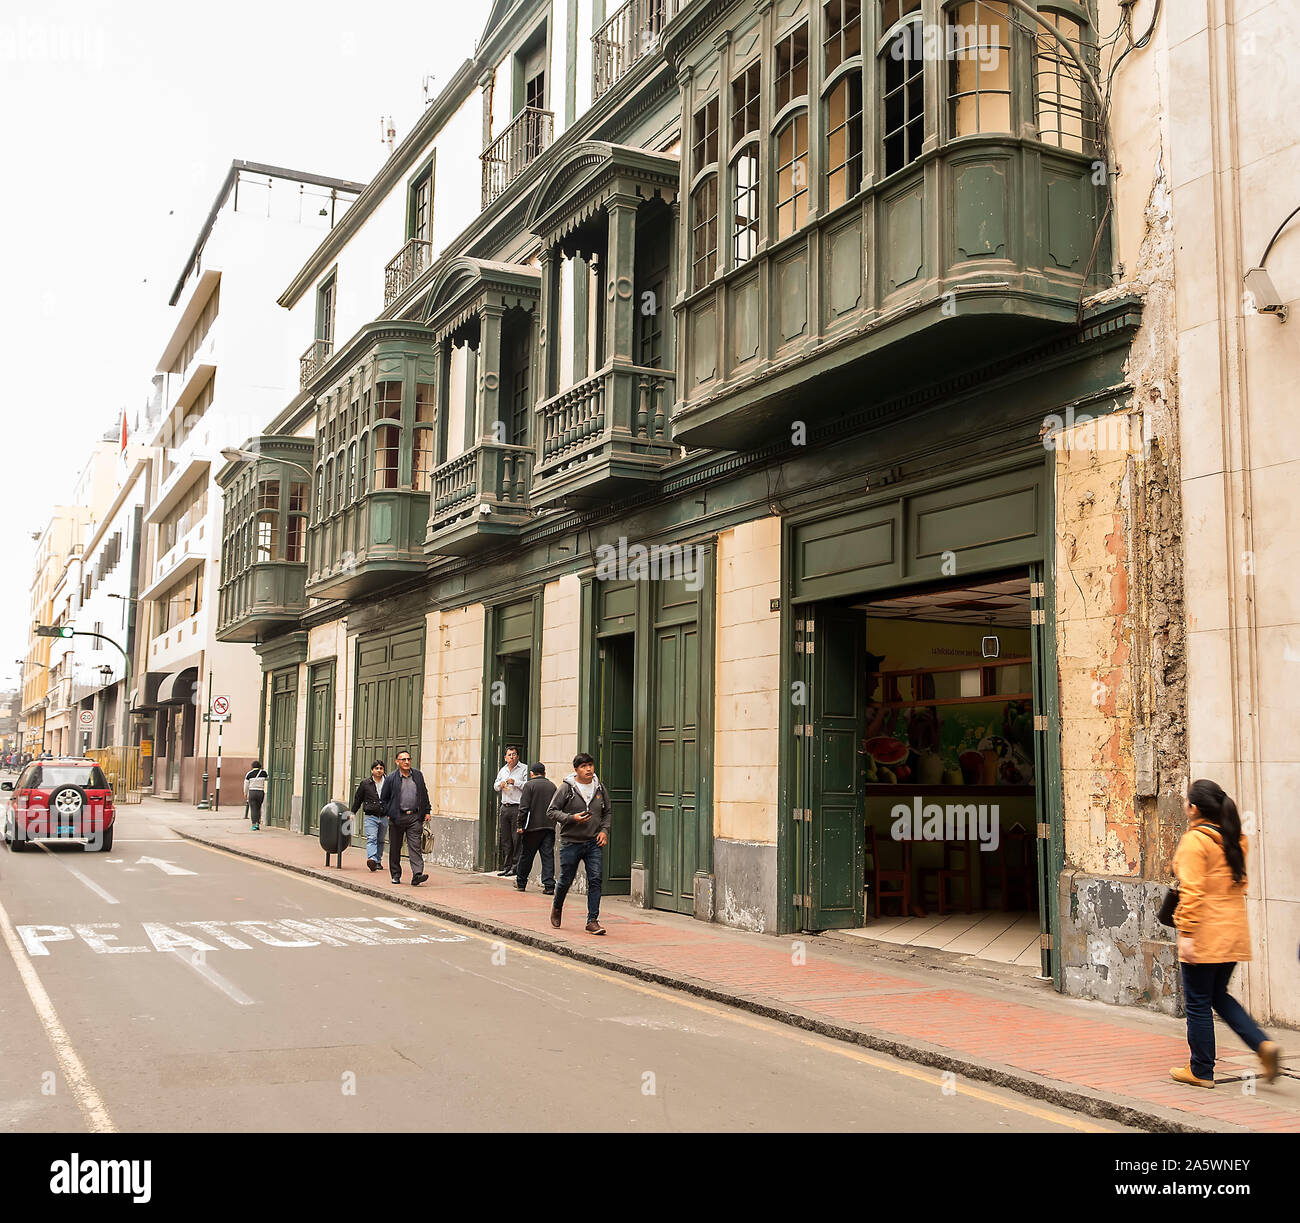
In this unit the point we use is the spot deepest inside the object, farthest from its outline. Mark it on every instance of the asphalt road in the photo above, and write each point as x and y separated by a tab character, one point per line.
167	986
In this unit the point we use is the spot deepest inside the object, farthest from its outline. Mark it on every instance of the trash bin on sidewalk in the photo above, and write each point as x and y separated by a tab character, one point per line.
336	823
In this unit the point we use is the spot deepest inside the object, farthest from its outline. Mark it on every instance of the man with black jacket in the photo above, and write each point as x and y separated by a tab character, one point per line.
536	829
582	810
405	799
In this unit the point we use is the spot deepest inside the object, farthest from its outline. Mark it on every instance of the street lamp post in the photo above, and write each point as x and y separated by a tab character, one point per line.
233	454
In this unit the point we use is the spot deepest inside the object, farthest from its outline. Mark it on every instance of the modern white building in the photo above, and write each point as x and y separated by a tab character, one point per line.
223	367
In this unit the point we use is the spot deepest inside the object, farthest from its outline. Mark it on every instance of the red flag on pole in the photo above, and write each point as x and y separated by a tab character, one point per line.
123	430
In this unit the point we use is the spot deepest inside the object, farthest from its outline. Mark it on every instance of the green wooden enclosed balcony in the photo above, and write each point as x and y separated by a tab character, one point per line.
479	498
264	537
868	216
375	427
604	437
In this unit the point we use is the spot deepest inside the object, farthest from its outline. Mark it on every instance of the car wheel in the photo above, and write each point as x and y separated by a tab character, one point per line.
16	844
106	840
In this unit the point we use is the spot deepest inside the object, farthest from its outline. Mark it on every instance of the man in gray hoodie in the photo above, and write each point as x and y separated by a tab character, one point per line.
582	811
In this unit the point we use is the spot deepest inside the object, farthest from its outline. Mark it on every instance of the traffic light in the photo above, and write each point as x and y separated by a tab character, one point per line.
54	630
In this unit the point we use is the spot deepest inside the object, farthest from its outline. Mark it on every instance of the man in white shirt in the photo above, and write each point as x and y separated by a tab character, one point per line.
509	784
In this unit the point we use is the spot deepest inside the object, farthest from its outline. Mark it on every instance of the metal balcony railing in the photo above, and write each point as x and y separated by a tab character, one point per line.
512	152
404	267
626	39
318	352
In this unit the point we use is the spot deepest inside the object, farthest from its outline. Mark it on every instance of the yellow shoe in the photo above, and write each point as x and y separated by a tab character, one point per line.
1183	1074
1269	1054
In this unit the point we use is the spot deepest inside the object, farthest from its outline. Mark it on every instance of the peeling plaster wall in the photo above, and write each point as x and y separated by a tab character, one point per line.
1122	664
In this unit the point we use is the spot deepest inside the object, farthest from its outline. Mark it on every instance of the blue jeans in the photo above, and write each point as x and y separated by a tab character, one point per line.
571	853
376	833
1205	988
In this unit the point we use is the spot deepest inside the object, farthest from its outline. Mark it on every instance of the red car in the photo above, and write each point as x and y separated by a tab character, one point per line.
61	799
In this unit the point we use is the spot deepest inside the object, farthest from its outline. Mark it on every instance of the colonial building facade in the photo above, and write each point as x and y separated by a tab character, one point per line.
773	399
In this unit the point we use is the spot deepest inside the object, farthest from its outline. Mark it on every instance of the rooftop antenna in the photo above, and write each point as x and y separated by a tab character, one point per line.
387	132
427	82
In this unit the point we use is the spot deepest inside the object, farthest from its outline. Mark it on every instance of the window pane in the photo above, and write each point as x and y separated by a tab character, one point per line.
298	496
745	207
792	67
388	401
422	474
388	440
424	403
295	548
1065	111
745	102
792	176
844	141
704	232
704	148
904	98
843	31
267	536
979	67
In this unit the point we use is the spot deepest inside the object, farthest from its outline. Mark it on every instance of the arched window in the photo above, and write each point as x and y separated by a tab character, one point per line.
978	43
744	204
327	506
363	465
340	480
387	434
352	472
704	198
295	543
789	87
1065	106
902	75
842	49
318	507
792	175
425	421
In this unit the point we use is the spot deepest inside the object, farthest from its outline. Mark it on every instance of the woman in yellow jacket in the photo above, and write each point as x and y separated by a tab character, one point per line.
1213	936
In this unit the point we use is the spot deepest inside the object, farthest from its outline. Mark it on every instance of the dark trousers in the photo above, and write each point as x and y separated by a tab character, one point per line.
508	835
542	839
411	832
1205	989
255	798
571	853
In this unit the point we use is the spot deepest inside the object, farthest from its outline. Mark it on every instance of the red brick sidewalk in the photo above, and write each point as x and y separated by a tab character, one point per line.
1106	1061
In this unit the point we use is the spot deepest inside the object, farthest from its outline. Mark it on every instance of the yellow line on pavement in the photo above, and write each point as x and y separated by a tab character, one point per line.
769	1026
74	1072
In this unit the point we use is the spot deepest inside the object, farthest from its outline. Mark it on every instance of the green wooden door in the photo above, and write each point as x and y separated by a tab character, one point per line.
514	672
676	679
284	720
320	747
836	841
1046	771
389	685
613	752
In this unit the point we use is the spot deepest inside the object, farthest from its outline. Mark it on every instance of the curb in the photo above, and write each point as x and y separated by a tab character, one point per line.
1093	1104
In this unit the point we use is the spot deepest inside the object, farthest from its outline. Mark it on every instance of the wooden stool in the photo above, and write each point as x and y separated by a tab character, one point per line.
952	869
901	878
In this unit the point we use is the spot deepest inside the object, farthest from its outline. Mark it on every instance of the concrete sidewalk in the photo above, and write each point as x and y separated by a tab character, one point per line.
1104	1061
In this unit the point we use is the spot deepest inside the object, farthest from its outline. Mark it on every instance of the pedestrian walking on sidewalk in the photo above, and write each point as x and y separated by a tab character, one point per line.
509	784
366	801
255	791
536	829
1213	934
405	800
582	811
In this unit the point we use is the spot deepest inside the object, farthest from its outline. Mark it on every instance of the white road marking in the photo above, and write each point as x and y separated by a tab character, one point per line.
167	868
74	1072
198	961
106	897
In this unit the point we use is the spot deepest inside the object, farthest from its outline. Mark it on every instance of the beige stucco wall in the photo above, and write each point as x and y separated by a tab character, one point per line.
326	643
748	676
1234	177
453	710
558	737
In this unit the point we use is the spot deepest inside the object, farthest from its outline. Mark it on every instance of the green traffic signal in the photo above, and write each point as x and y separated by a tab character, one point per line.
54	630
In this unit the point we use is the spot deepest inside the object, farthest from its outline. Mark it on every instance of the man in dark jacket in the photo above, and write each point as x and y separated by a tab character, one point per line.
582	811
536	829
405	800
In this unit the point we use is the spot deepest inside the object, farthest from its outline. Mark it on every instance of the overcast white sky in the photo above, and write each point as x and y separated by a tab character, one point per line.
118	121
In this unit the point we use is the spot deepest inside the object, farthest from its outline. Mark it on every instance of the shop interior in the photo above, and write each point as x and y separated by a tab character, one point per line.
947	766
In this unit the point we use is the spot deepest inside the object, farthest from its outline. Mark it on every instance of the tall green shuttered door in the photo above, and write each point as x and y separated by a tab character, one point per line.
320	746
614	753
390	673
284	719
675	766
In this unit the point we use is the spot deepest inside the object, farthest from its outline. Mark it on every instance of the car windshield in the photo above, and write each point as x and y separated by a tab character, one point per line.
89	776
